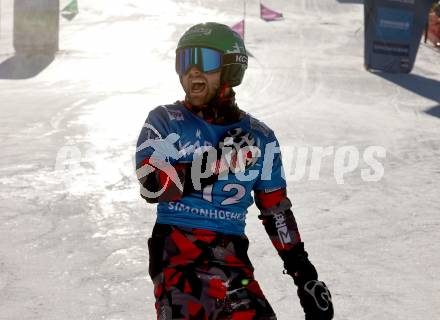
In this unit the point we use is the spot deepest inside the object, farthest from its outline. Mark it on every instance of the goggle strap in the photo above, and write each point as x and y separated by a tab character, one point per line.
232	58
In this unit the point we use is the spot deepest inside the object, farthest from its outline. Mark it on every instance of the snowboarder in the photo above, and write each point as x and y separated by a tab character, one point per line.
200	159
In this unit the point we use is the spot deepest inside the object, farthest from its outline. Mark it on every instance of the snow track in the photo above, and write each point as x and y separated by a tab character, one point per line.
73	229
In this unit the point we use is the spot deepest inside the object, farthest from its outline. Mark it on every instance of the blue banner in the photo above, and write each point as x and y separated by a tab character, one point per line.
393	30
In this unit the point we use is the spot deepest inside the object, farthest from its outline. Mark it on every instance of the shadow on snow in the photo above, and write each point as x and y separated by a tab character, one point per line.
25	66
422	86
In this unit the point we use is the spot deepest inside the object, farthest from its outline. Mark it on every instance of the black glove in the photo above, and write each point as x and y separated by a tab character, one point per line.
316	300
314	296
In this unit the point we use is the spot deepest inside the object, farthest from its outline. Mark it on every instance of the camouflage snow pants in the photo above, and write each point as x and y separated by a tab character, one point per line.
204	275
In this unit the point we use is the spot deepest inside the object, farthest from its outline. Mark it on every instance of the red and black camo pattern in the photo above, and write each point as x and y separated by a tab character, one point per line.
204	275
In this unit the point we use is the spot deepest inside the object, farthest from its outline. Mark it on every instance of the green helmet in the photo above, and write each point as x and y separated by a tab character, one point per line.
222	38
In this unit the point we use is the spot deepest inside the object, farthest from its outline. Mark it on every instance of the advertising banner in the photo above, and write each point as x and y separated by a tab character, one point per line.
393	30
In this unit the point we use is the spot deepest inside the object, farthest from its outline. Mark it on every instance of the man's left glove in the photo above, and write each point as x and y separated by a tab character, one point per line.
314	296
316	300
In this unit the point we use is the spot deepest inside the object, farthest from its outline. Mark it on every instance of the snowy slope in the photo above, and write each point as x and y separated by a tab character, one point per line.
73	229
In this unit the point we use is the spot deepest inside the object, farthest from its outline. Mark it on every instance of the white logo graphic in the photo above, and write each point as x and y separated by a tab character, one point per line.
176	115
283	232
199	30
241	58
319	292
239	150
394	24
235	49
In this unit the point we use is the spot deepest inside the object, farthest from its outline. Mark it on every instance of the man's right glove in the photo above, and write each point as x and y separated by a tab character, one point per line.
314	296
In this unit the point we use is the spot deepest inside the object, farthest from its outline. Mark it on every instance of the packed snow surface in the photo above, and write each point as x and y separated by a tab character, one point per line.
73	229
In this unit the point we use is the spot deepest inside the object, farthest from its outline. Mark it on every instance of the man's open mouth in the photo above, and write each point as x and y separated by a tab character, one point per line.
198	86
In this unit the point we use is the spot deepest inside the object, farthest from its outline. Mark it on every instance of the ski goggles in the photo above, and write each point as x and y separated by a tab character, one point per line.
205	59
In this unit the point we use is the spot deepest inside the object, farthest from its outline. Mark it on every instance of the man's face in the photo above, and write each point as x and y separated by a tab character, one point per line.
200	87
